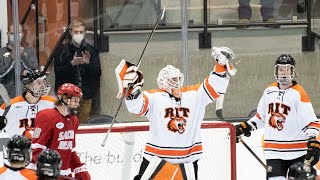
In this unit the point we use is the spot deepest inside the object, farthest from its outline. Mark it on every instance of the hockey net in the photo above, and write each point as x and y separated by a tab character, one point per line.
122	155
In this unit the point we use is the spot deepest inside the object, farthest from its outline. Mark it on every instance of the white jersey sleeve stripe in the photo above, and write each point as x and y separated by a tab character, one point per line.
38	146
210	90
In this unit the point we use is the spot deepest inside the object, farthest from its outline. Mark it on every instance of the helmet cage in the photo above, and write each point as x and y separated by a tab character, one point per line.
18	150
170	78
284	79
49	164
39	87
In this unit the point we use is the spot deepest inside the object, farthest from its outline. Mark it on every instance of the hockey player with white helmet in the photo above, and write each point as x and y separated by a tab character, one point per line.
290	124
175	114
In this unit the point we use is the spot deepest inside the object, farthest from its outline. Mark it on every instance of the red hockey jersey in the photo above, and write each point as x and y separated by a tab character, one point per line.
55	131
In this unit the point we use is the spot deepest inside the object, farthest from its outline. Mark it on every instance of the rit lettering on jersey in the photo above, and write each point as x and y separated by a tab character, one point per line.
26	123
278	112
177	116
64	139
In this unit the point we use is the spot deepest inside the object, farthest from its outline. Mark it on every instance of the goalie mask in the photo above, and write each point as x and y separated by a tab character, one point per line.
70	96
49	163
170	79
18	150
298	172
35	82
284	69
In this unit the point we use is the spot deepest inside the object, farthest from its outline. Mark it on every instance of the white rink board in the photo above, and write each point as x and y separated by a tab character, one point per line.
109	161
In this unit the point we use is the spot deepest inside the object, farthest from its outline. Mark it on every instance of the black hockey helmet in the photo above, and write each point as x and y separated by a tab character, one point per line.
49	163
285	59
41	87
18	149
298	172
27	76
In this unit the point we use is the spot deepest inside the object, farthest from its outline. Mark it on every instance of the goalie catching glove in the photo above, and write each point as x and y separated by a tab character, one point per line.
244	128
128	76
223	55
313	152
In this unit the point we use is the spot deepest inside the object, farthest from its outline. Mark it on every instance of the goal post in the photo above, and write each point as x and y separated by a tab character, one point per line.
122	155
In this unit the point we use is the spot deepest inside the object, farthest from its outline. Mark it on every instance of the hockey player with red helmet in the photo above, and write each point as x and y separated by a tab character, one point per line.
56	129
290	124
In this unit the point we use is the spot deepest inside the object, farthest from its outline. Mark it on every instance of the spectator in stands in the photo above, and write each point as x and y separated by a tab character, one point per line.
78	62
7	61
266	10
296	8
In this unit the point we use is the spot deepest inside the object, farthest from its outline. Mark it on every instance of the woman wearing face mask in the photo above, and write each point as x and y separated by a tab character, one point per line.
78	62
28	59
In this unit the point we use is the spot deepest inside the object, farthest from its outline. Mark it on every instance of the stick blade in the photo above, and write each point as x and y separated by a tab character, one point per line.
163	11
219	114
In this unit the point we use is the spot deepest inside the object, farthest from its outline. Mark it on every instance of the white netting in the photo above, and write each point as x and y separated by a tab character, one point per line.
122	155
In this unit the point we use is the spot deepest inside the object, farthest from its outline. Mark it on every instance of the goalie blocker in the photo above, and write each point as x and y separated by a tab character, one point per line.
128	76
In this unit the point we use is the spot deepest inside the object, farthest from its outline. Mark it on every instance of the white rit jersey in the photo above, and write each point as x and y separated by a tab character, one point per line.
175	125
21	114
287	116
23	174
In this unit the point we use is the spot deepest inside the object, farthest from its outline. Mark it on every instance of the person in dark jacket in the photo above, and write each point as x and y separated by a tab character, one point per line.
78	62
28	59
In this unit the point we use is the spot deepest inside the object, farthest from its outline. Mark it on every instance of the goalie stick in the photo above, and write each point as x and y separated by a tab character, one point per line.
161	15
268	168
6	98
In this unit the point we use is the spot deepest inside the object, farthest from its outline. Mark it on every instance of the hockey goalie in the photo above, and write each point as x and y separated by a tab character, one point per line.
175	114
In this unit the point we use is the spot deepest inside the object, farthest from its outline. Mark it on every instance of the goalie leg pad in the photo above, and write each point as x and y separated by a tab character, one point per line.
159	169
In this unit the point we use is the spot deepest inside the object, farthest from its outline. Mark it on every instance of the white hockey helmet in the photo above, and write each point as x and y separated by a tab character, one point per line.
170	77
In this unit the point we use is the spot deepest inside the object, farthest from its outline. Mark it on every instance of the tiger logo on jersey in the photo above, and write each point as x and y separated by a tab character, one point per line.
277	120
177	124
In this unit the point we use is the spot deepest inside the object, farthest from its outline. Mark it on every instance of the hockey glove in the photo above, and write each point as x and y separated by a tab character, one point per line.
223	55
133	79
313	152
3	122
243	128
82	173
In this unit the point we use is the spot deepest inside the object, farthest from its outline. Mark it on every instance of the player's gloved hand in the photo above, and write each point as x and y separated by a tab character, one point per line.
3	122
133	79
243	128
82	173
313	152
223	55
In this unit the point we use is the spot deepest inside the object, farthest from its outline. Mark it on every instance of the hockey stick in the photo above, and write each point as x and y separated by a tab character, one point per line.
268	168
161	15
219	106
6	98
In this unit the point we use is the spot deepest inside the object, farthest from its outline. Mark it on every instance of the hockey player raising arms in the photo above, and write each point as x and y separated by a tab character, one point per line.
290	124
175	114
20	117
56	129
